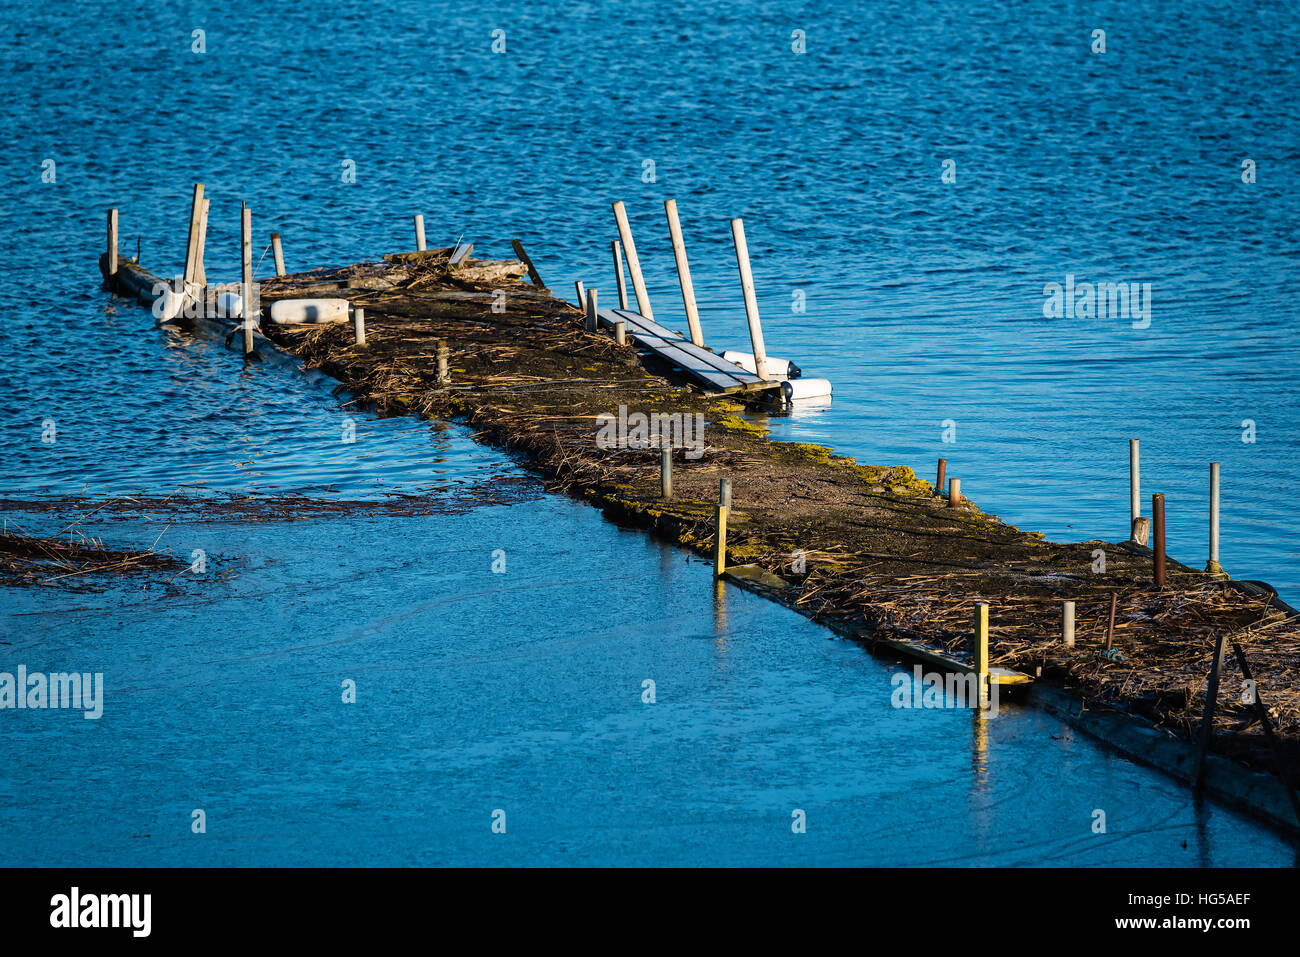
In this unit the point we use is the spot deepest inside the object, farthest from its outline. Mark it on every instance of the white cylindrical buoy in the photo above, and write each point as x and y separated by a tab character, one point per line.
229	305
171	304
310	310
794	389
777	368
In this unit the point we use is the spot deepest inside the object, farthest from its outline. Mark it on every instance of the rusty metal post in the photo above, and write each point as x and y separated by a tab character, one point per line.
1110	629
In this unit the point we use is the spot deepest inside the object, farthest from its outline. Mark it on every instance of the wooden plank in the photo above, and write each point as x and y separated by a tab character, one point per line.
708	368
193	241
523	258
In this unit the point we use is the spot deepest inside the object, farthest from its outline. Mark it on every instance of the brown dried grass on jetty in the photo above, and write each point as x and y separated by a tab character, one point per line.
883	553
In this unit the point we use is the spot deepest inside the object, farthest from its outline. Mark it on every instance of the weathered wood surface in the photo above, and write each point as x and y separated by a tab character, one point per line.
708	369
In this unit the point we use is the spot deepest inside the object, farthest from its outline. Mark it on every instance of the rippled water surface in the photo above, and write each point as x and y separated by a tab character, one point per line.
922	303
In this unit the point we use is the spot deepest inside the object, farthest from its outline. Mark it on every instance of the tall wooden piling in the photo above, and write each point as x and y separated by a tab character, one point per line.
246	216
581	290
533	274
665	470
278	253
633	263
939	479
192	242
1134	490
1142	530
683	272
751	299
1110	629
201	273
419	233
110	264
1067	623
359	323
954	492
617	249
1158	538
1213	566
593	317
980	650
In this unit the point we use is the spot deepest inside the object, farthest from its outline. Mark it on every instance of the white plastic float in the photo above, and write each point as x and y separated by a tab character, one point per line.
795	389
310	310
229	305
169	305
777	368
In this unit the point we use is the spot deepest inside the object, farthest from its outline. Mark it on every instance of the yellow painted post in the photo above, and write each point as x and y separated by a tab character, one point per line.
720	542
981	651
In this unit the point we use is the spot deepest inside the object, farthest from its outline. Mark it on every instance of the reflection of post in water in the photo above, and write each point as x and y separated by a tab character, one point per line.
980	711
720	614
979	754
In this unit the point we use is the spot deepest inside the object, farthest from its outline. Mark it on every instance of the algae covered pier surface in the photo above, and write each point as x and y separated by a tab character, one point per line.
871	550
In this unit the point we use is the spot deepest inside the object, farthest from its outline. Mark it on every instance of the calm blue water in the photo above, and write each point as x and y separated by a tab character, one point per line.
923	304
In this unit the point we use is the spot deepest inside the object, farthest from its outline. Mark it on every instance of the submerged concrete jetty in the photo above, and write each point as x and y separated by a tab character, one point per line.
1182	668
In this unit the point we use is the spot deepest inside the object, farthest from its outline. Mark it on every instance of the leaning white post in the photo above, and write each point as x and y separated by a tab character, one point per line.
633	264
247	299
1134	489
617	248
683	272
751	300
